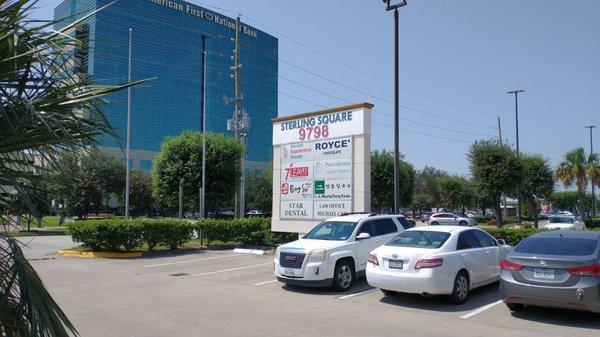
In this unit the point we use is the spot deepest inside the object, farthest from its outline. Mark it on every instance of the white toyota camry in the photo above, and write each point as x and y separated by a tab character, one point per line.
441	260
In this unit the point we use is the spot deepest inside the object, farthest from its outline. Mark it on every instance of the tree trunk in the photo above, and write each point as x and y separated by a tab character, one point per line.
498	210
581	189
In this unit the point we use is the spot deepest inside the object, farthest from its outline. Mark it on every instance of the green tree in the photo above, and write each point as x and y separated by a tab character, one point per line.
537	182
259	190
496	169
382	181
427	186
456	192
77	190
180	160
565	200
578	169
141	201
41	107
108	173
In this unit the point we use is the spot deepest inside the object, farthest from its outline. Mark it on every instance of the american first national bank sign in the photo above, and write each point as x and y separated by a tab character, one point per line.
321	166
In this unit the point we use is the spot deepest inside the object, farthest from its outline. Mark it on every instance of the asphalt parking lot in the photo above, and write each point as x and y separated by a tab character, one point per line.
219	293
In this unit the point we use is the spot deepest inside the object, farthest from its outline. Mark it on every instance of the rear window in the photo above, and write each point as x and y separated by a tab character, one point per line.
558	246
419	239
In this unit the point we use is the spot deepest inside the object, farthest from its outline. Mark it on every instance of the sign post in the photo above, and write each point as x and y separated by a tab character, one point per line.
321	166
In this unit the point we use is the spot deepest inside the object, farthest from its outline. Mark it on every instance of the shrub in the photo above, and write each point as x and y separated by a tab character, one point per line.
592	223
127	234
512	235
252	231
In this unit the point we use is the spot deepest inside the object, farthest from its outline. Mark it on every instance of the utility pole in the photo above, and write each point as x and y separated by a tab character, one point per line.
516	93
394	7
127	155
240	125
593	187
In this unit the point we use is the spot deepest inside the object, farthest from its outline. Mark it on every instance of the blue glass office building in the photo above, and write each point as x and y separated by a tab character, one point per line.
168	42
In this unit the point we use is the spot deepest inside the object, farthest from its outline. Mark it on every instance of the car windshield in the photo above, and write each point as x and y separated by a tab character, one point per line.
419	239
561	219
332	230
557	246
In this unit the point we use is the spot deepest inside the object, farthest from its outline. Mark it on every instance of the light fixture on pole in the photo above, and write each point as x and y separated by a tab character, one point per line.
394	7
591	127
516	93
203	188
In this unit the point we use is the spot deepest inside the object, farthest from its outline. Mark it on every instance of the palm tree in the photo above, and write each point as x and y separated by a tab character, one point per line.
579	169
44	111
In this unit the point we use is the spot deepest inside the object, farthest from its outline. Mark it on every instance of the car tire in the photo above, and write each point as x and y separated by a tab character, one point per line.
343	275
515	306
434	224
388	292
460	291
463	223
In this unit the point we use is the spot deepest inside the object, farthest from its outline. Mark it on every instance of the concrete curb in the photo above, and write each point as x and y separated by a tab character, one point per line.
251	251
108	255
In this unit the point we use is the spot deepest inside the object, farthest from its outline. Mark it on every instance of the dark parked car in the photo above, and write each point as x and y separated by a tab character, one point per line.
559	269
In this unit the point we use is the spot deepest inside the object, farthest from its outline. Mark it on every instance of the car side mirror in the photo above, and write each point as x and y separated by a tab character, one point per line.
363	236
501	242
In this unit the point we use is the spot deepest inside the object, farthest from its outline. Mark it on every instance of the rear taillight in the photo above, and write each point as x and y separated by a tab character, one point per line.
509	265
591	270
373	259
428	263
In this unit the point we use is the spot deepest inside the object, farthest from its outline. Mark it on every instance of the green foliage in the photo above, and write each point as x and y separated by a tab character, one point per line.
496	169
456	192
77	190
259	190
252	231
592	223
180	160
141	201
578	169
127	234
382	181
427	188
512	235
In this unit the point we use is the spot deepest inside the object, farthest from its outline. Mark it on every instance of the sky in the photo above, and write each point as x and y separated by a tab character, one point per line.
457	61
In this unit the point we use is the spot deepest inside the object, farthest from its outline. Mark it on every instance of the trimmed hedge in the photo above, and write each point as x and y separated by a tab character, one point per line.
127	234
592	223
511	235
251	231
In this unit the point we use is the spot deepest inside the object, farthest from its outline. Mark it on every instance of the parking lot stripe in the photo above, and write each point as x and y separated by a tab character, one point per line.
232	269
266	282
357	294
188	261
480	310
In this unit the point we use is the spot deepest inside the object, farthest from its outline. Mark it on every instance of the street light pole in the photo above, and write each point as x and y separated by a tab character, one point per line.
516	93
127	155
593	187
395	7
203	188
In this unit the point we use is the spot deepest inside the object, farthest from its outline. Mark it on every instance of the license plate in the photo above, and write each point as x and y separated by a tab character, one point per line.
396	264
289	271
541	273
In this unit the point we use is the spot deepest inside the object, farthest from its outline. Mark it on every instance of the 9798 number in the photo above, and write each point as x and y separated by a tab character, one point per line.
313	132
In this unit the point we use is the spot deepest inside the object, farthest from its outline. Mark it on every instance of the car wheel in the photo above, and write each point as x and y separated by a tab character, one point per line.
515	306
343	275
463	223
388	292
434	223
460	292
